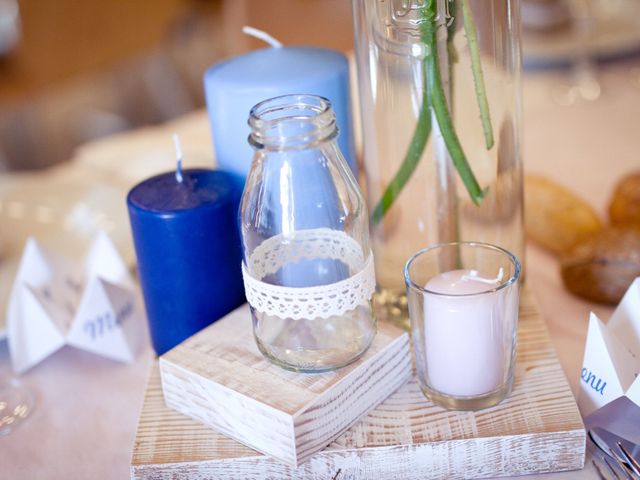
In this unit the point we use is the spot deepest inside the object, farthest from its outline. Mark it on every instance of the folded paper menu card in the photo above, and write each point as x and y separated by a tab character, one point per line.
56	302
611	365
620	417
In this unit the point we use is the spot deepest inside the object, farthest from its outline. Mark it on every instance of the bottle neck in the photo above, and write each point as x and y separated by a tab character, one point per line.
292	122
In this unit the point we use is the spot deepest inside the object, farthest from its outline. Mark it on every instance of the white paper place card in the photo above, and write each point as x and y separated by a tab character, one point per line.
54	302
611	365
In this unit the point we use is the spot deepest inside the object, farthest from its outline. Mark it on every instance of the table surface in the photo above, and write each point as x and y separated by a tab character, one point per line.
87	407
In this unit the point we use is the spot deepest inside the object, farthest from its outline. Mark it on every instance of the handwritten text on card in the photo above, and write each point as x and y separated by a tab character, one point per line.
107	321
590	378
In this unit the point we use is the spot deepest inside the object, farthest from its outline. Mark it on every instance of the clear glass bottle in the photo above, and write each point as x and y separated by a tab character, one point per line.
419	62
308	265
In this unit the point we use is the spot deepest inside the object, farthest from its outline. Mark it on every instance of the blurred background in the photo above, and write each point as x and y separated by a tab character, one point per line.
72	71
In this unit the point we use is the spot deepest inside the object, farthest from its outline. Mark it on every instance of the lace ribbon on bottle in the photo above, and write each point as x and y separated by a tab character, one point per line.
321	301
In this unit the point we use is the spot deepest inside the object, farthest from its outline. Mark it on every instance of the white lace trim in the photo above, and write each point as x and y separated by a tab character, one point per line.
308	302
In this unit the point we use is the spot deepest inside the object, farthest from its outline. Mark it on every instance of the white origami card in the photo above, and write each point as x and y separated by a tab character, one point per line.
54	302
611	365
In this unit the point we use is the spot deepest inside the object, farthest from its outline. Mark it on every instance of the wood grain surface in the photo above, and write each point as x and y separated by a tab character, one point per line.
537	429
219	378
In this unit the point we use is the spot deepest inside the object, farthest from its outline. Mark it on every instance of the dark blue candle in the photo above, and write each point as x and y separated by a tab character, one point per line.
188	249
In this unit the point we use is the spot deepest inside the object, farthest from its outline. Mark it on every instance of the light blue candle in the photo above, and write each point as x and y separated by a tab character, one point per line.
234	86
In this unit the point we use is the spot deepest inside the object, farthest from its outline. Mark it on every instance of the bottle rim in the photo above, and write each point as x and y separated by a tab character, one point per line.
294	121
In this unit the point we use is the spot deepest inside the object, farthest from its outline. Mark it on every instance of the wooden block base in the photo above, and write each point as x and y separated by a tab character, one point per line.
537	429
219	378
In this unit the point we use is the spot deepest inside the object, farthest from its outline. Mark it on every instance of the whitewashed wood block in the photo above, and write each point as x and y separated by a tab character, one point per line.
537	429
220	378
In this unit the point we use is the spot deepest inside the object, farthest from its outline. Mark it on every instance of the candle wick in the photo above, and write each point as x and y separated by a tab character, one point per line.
261	35
473	275
176	142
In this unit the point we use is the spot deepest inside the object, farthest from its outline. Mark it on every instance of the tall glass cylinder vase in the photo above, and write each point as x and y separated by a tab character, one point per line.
440	102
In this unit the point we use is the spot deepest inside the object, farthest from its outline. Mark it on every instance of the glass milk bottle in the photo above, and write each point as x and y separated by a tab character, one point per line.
308	267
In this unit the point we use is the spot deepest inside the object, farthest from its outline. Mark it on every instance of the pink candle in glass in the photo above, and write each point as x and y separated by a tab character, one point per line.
464	333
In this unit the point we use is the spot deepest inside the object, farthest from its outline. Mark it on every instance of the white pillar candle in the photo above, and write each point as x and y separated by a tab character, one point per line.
464	335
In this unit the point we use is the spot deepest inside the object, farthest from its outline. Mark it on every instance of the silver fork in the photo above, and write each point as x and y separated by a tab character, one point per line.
629	460
610	468
616	463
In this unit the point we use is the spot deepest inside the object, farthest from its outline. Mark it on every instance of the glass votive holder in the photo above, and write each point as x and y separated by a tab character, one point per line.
463	306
